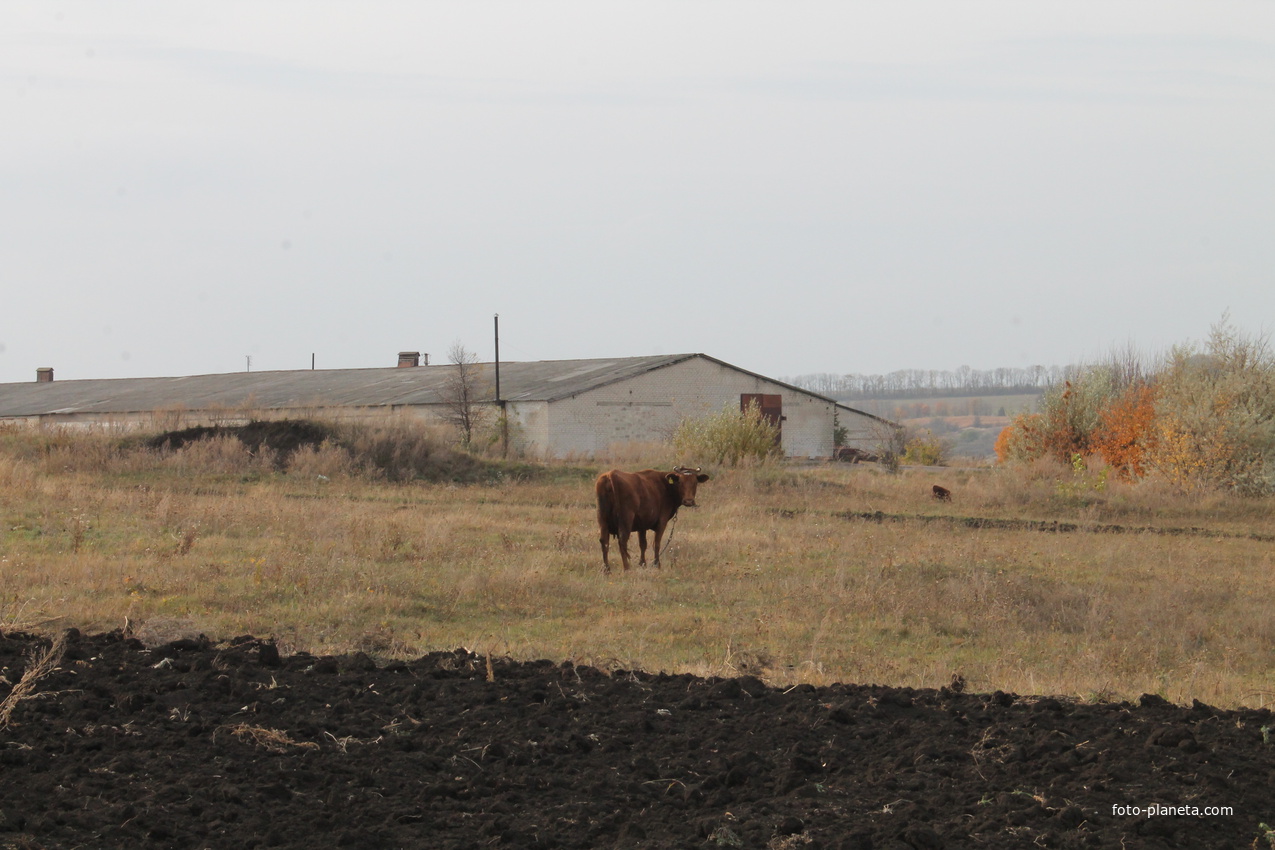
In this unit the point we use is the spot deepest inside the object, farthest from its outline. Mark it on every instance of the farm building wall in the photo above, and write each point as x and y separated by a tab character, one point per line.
862	431
528	427
650	406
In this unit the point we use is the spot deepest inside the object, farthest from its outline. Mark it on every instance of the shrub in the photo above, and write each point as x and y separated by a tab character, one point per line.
890	442
1070	413
1064	426
924	449
1014	442
1215	415
728	438
1201	419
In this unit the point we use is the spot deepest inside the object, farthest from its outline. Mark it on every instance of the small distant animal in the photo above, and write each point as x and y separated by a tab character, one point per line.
942	493
641	501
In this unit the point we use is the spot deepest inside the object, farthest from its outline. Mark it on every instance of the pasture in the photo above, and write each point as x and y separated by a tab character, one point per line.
1036	581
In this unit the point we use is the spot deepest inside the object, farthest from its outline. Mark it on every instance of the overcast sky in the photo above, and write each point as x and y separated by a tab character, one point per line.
791	187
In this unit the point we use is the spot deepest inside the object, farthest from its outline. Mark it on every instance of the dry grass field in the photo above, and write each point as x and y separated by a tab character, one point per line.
788	573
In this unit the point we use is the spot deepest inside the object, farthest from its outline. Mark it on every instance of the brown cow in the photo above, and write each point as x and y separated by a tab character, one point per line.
942	493
641	501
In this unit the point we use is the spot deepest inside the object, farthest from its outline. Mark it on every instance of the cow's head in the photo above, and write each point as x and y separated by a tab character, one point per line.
684	481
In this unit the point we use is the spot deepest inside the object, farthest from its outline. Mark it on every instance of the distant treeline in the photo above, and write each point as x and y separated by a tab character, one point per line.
922	383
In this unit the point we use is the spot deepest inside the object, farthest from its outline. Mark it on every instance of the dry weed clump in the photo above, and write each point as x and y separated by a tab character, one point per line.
323	462
16	473
38	667
13	612
271	740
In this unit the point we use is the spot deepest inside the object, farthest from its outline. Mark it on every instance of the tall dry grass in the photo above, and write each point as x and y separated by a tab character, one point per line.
775	574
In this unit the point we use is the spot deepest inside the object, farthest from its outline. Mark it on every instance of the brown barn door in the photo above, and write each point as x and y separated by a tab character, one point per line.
772	410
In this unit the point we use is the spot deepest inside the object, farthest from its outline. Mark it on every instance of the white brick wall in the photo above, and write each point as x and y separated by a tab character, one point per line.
529	426
650	406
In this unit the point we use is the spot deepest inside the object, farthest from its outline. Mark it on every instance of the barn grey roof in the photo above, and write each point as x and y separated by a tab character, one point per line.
544	380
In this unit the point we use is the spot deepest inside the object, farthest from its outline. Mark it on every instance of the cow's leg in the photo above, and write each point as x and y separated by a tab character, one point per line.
642	548
659	535
605	540
622	543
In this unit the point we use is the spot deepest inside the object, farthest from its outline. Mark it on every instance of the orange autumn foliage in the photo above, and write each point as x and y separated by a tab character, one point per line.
1126	431
1079	422
1019	440
1002	446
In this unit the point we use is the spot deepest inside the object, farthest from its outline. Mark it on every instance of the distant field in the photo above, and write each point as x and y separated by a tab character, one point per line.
970	424
968	421
965	405
967	436
820	574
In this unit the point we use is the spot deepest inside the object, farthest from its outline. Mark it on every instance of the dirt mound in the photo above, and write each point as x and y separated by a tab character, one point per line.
391	451
282	437
198	744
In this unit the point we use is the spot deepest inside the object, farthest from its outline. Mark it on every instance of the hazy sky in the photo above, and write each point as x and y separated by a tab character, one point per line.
792	187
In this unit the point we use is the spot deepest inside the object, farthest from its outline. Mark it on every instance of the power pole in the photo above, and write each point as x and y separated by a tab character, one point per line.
500	402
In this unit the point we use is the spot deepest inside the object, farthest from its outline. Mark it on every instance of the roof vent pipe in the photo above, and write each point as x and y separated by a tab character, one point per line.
44	375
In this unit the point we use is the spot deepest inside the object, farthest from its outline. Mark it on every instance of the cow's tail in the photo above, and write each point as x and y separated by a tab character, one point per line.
606	506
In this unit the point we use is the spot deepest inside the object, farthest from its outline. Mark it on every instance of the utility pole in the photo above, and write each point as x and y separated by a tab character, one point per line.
500	402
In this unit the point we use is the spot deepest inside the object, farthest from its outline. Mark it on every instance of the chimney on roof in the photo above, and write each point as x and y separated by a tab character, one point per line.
410	358
44	375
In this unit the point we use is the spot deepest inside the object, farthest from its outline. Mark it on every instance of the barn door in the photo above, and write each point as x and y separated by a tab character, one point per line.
772	410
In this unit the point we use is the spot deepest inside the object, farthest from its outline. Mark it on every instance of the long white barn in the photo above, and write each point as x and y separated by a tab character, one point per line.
555	408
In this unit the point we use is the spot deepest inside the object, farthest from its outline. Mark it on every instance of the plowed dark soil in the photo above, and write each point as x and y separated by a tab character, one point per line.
198	744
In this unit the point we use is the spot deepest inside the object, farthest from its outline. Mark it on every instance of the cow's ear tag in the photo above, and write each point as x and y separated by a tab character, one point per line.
671	478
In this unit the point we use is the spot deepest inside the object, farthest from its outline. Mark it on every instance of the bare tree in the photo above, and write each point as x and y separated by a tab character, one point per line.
465	393
891	443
